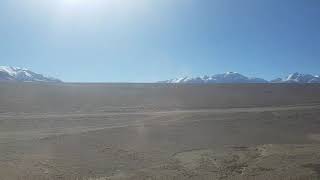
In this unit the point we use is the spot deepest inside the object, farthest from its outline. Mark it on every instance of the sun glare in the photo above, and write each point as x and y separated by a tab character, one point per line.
76	2
80	7
90	13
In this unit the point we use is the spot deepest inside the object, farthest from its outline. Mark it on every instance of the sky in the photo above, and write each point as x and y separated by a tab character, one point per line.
152	40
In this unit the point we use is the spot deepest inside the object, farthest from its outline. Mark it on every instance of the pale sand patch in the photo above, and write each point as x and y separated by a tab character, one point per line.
314	137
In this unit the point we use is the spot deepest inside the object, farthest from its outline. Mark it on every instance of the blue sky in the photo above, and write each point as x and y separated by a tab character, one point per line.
151	40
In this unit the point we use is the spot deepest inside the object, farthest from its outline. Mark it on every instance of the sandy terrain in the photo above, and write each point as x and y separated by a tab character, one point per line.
158	131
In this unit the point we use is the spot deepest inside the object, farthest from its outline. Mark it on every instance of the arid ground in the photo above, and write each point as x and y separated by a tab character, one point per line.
159	131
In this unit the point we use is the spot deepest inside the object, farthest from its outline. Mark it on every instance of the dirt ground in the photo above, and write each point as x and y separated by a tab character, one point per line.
159	131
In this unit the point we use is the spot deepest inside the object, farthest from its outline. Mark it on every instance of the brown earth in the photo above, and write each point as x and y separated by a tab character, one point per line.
159	131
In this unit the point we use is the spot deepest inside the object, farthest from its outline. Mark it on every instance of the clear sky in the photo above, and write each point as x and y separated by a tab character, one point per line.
151	40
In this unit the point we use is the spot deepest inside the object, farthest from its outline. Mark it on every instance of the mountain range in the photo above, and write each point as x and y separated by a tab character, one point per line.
16	74
233	77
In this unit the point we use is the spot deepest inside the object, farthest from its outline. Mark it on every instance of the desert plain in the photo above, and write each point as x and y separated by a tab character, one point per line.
159	131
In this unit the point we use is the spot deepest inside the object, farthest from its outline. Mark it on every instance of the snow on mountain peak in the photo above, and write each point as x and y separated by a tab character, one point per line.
299	78
228	77
8	73
234	77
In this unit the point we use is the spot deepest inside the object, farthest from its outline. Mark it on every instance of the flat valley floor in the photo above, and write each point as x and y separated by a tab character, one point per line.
159	131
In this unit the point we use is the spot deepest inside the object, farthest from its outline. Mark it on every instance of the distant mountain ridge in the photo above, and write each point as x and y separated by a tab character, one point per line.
234	77
17	74
298	78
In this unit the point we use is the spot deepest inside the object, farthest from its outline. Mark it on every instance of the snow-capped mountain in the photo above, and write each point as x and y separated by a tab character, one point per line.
8	73
298	78
229	77
233	77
